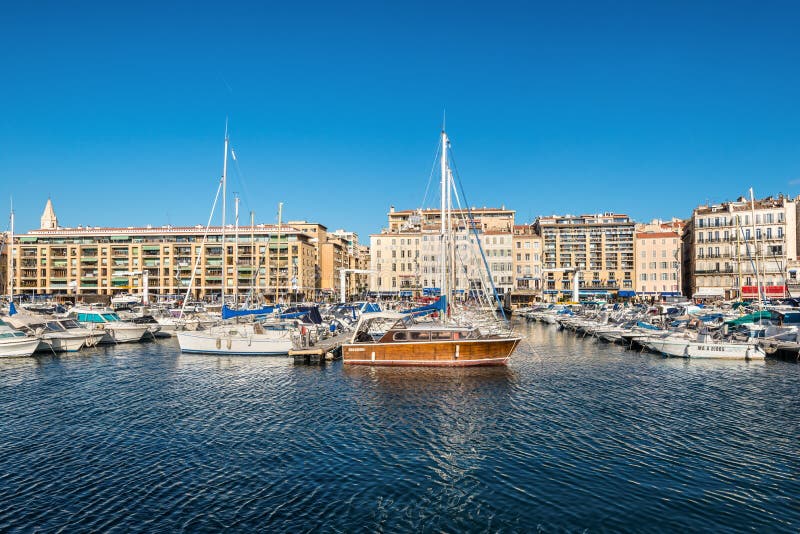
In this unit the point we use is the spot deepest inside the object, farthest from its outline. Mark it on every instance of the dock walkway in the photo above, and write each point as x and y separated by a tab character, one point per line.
324	349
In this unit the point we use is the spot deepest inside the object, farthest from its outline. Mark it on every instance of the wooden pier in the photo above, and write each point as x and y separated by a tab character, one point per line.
324	350
784	350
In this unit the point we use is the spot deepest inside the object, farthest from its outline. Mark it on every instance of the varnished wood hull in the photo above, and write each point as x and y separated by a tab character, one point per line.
460	353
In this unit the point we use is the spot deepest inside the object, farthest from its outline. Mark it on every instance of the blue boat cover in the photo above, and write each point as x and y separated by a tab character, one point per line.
438	306
309	314
227	312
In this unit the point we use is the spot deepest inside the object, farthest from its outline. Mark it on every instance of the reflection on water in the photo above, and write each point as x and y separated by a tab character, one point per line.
574	434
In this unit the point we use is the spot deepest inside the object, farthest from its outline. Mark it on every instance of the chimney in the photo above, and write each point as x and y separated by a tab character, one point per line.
391	209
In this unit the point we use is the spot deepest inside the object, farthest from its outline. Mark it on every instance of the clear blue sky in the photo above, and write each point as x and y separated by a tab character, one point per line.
648	108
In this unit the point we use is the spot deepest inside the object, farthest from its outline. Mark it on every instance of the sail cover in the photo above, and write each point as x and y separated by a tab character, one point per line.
228	313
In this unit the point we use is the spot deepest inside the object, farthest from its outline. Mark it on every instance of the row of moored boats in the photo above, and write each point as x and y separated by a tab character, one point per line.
683	330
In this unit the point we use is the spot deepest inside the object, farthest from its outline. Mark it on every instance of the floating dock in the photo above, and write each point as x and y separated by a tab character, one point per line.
324	350
785	350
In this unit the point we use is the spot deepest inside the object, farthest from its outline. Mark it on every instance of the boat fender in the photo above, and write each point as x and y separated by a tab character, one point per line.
219	343
229	343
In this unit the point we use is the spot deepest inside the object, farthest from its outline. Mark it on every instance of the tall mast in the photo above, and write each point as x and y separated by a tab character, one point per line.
13	271
755	241
236	249
224	184
443	258
738	258
253	277
452	252
278	259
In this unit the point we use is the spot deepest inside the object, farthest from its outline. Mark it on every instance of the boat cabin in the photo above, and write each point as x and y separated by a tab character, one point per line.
92	316
7	331
393	327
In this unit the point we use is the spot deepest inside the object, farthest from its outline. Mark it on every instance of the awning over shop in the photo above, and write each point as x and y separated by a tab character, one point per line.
769	291
626	293
709	293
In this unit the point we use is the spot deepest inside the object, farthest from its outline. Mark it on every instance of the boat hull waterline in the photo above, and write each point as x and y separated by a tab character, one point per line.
19	348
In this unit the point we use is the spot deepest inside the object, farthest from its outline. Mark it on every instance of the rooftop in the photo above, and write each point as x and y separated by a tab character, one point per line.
157	230
656	235
742	204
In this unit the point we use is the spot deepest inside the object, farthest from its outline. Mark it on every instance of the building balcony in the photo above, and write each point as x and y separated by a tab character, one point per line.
721	270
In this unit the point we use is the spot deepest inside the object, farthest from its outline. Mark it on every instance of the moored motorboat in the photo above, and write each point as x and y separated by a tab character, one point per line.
106	320
705	347
16	344
390	338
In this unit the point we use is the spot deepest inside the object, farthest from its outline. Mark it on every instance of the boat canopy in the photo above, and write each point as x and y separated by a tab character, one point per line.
786	317
750	318
709	293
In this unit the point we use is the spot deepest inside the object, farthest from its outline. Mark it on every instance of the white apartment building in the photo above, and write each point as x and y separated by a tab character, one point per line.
734	245
406	256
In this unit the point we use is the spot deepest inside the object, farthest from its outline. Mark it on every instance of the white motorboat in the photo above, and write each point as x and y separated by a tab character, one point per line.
124	299
252	339
705	347
66	335
114	329
16	344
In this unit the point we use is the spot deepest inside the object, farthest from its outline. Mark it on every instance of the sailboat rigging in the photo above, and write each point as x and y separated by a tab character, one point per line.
453	340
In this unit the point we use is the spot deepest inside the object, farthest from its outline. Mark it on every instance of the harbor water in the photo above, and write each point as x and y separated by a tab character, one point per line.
573	435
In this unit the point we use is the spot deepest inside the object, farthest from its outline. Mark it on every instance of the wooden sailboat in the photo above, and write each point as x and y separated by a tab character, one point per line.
390	338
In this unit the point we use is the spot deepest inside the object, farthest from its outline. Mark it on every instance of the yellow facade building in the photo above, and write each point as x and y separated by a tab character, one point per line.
278	263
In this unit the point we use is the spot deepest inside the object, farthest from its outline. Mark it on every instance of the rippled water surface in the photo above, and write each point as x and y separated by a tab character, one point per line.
573	435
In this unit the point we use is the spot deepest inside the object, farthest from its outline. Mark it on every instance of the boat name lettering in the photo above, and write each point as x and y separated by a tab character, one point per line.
711	348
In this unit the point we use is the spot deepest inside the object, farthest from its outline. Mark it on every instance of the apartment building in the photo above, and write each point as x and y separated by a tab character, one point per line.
277	262
481	219
732	246
600	247
527	265
406	256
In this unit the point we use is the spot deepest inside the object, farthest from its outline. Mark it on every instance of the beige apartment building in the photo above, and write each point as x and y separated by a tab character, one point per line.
658	264
405	256
527	264
726	245
334	252
482	219
600	247
276	262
